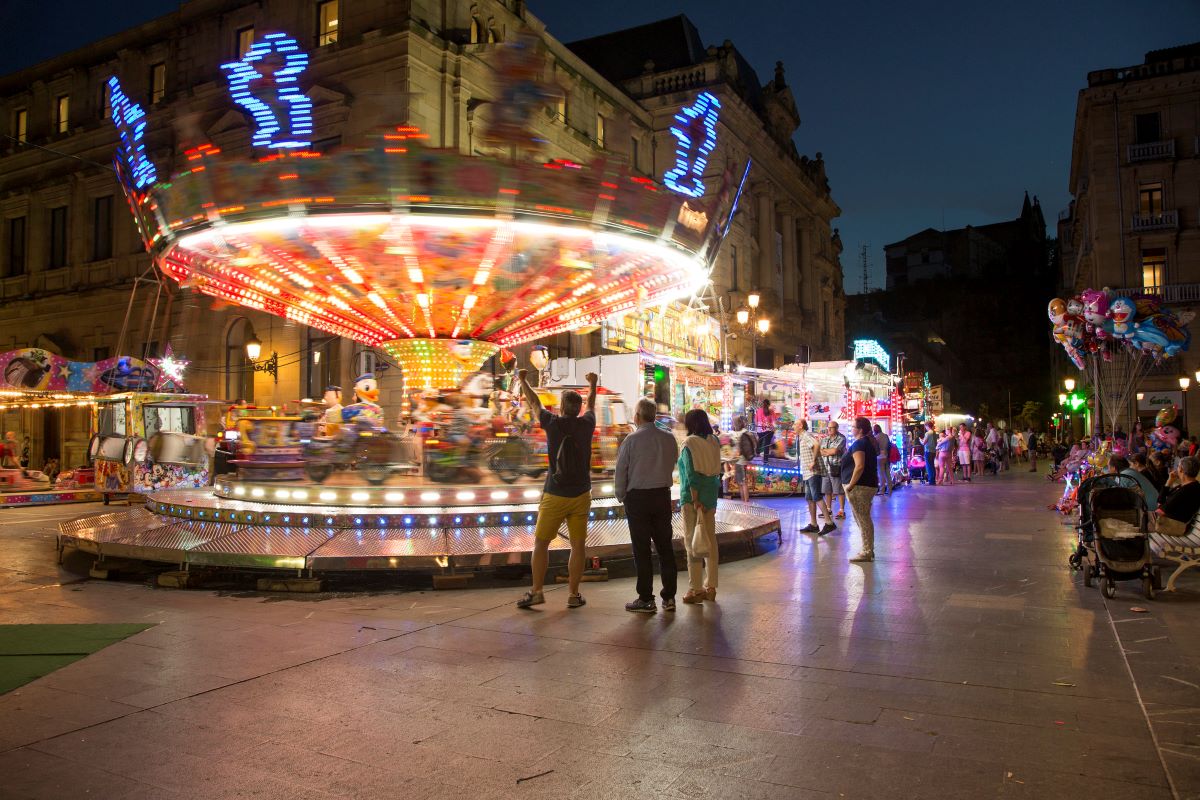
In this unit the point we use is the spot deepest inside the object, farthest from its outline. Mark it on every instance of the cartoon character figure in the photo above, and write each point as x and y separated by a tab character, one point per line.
1095	312
1122	311
1167	435
1068	330
366	392
1161	328
333	409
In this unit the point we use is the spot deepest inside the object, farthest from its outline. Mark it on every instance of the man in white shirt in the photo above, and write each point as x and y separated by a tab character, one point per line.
812	471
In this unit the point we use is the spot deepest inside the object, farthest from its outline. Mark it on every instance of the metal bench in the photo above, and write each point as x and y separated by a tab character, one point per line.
1181	550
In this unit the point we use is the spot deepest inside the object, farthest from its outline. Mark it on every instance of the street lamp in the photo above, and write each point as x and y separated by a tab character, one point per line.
764	325
1062	399
749	318
1069	384
1184	382
753	299
743	316
269	366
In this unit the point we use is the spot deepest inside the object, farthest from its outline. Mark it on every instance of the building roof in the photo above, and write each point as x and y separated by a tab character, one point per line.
620	55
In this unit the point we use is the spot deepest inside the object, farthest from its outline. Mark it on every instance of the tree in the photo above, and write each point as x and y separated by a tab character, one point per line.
1029	417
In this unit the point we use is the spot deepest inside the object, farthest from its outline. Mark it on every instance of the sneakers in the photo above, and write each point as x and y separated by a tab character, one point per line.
531	599
641	606
840	515
828	527
861	557
669	604
809	528
691	598
575	601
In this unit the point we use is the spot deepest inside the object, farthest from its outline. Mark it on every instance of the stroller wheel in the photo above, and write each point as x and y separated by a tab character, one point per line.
1148	587
1109	587
1074	560
1087	575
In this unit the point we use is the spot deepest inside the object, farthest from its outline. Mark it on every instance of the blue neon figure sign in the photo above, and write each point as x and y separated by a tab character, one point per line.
287	101
695	132
130	119
871	350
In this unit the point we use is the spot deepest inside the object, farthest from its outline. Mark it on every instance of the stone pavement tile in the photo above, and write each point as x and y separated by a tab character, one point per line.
599	775
31	775
44	700
336	776
701	784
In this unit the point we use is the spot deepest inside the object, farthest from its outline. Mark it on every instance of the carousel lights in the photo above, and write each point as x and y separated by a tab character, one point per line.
130	119
695	132
287	93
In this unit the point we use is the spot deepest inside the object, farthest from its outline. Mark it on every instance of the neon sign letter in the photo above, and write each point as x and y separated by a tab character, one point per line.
695	132
287	94
130	119
871	350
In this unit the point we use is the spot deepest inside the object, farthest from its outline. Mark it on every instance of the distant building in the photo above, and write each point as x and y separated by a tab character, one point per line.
781	244
1134	221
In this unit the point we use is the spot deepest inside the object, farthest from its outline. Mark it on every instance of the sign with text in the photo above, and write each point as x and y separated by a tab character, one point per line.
1153	401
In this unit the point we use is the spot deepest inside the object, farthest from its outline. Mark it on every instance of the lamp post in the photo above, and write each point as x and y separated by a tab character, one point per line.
757	325
268	365
1069	384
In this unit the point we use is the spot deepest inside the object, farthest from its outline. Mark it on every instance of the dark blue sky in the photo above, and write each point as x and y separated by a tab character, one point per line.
928	113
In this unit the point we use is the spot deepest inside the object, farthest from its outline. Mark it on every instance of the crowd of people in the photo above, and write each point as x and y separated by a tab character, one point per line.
1171	492
963	452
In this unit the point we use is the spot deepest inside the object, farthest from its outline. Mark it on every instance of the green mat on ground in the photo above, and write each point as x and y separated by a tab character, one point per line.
28	652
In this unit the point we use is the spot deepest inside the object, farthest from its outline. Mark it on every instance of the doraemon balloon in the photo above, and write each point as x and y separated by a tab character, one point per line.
1122	311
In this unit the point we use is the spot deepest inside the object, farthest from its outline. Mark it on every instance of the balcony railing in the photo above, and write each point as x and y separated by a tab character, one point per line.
1151	150
1154	222
1170	293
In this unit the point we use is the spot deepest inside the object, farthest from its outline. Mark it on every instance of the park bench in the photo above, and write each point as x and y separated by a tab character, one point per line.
1183	552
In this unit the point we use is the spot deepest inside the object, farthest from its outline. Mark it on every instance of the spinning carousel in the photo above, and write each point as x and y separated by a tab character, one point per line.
440	260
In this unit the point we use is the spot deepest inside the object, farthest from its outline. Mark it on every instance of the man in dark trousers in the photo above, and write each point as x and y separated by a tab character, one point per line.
643	483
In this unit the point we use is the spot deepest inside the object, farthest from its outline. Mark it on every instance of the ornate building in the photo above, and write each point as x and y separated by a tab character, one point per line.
73	275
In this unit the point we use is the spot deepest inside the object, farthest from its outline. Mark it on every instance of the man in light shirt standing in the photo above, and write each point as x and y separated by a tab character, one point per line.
812	472
645	463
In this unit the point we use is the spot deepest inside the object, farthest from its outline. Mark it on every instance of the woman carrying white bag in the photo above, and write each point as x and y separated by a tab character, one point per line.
699	485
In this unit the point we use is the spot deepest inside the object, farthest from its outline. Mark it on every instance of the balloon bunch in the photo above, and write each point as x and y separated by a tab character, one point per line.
1097	322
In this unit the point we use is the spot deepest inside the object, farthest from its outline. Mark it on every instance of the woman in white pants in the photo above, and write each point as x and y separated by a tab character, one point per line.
699	484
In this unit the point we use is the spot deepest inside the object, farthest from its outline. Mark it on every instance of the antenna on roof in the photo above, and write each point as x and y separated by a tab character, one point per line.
866	265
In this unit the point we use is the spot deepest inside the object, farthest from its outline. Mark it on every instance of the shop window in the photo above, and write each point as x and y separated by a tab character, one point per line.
58	238
245	38
102	228
20	124
327	23
158	83
15	262
1154	268
1150	199
1147	128
62	113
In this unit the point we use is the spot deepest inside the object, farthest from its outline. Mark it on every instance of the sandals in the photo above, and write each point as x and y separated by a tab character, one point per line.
693	597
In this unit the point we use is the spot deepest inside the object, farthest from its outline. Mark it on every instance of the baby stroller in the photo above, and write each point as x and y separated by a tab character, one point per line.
1112	543
991	460
916	464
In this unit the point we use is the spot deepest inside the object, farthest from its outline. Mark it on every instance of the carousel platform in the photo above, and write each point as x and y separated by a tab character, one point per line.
462	529
48	497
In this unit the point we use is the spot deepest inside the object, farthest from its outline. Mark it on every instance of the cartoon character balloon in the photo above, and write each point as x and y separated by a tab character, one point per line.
1167	435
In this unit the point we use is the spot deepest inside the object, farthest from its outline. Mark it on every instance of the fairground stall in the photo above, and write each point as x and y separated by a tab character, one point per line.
48	419
442	261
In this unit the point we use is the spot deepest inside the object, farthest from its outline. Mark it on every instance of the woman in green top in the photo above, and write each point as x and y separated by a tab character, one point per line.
699	484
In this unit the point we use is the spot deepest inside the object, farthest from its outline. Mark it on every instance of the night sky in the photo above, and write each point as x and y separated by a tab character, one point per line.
928	114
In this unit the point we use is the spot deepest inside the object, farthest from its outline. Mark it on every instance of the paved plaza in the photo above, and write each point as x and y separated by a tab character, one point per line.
967	661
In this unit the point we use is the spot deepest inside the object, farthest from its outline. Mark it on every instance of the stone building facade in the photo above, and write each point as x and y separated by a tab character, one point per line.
1133	223
70	258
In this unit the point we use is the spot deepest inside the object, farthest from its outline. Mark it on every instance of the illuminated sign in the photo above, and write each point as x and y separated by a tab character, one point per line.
251	89
130	119
695	132
871	350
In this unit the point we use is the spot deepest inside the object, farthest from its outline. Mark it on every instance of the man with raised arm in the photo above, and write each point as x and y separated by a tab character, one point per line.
567	496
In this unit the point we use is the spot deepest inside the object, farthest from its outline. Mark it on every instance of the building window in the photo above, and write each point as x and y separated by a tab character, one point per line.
563	107
245	38
58	237
102	228
1150	199
492	37
476	31
158	82
105	101
600	131
1154	268
62	113
20	124
101	353
327	22
633	153
15	263
733	269
239	376
1147	128
364	362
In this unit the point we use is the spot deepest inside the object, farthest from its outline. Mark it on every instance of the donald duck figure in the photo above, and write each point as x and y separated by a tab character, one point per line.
366	409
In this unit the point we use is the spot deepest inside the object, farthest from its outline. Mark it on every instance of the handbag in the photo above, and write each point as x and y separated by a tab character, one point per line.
893	454
1169	526
698	542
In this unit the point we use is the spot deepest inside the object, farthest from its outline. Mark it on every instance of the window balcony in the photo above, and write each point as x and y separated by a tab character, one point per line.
1150	151
1170	293
1165	220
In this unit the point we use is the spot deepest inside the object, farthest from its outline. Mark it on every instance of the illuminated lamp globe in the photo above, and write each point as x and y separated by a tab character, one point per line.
253	348
743	316
1062	399
1184	382
1069	384
753	299
764	325
1198	377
